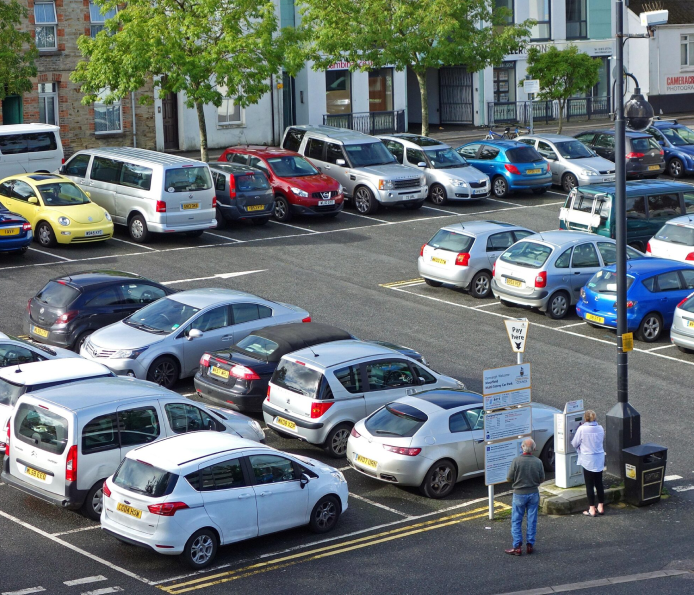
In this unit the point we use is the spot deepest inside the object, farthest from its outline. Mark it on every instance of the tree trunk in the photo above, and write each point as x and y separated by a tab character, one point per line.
422	80
203	131
561	116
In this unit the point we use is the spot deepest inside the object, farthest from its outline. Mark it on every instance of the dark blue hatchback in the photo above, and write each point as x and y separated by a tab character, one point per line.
15	232
677	142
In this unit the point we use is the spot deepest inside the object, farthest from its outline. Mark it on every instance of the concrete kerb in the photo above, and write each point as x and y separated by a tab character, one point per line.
556	500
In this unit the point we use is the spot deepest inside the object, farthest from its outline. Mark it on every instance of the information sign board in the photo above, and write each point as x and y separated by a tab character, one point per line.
517	333
507	399
509	378
531	86
497	460
573	406
510	423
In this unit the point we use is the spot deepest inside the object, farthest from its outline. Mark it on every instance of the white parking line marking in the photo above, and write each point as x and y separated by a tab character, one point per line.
49	254
440	210
683	488
104	591
383	506
555	192
25	591
217	276
363	216
76	530
672	477
574	324
188	394
136	245
294	226
515	204
85	580
74	548
484	305
216	235
661	347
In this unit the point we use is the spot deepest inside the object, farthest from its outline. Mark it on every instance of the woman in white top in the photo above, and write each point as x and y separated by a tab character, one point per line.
588	442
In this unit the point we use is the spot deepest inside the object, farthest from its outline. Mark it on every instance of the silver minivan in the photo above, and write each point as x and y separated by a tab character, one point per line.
147	191
28	148
317	394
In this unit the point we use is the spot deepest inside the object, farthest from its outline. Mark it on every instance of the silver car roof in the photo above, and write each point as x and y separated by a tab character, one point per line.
476	228
553	138
340	135
565	237
210	296
143	156
340	352
412	145
684	220
52	370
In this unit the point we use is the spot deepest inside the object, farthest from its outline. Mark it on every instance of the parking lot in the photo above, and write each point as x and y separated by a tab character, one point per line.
358	273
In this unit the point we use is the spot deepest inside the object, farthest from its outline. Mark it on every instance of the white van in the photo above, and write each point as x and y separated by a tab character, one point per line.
29	148
146	190
63	442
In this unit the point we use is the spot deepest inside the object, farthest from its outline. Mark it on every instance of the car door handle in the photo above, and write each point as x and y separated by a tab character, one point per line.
227	337
244	496
577	272
479	440
265	493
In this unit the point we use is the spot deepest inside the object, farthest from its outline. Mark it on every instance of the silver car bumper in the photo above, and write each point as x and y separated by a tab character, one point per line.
391	468
392	197
465	192
163	228
680	339
586	180
307	430
121	367
460	277
536	299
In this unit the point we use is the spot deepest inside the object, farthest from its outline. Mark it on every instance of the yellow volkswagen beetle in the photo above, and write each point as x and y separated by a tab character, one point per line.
58	210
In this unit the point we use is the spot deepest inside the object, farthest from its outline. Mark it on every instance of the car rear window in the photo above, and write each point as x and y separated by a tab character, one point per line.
57	294
527	254
606	282
449	240
297	378
41	428
523	155
688	305
644	144
142	478
677	234
187	179
396	419
10	393
255	345
251	182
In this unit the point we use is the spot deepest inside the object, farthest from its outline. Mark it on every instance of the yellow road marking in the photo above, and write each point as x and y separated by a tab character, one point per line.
399	283
326	551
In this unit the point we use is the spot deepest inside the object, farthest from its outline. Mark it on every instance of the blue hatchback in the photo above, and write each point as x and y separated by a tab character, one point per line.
510	165
15	232
678	143
654	288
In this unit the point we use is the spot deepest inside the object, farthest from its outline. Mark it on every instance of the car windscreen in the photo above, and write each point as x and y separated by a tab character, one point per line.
257	346
290	166
396	419
142	478
644	144
573	149
41	428
445	158
527	254
163	316
57	294
10	393
297	378
245	182
187	179
676	234
449	240
523	155
679	136
62	194
367	154
606	282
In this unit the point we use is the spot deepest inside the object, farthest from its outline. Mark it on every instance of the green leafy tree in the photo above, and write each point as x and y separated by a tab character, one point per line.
416	34
17	51
194	46
562	74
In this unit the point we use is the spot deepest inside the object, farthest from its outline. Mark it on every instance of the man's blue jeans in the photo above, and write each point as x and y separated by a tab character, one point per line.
521	504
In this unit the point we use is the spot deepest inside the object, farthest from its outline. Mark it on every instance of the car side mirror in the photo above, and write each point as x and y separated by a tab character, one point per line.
421	380
61	170
89	194
32	200
422	164
340	162
194	333
304	480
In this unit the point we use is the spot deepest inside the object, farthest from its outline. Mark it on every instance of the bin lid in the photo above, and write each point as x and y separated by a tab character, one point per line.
643	450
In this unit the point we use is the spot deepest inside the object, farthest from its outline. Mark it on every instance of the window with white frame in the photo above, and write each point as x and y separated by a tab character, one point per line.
48	103
46	22
107	117
687	50
227	113
98	17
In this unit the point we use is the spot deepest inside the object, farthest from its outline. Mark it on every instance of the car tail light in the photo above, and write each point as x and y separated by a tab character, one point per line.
7	440
268	394
71	464
29	306
541	279
494	269
214	202
421	250
630	304
205	360
662	152
319	409
307	319
232	186
549	169
62	161
355	433
583	292
161	206
26	226
243	373
463	259
690	256
633	155
67	317
512	168
8	427
400	450
648	248
167	508
107	492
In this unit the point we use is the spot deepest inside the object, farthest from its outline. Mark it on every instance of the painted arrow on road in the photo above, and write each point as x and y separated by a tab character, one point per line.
218	276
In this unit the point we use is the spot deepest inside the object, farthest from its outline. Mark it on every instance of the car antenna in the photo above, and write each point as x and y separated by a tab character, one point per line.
18	370
313	352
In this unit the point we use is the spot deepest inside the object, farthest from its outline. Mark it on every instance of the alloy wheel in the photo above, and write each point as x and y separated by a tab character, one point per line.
326	514
201	549
280	209
98	501
44	235
651	328
482	285
164	373
675	168
438	195
570	182
500	187
362	200
339	442
441	479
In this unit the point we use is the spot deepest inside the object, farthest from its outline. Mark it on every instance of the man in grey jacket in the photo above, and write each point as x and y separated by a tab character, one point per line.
525	474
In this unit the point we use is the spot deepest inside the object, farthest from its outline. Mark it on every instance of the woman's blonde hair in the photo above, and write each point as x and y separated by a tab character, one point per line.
589	415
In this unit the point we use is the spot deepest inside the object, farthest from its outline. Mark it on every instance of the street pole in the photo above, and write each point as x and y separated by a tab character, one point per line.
532	128
623	422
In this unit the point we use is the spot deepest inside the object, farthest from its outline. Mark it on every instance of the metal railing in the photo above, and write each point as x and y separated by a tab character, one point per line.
369	122
518	112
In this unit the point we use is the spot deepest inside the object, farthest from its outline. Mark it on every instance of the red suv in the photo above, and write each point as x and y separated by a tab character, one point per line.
299	187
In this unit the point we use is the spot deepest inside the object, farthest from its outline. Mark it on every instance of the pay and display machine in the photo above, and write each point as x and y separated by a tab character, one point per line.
568	472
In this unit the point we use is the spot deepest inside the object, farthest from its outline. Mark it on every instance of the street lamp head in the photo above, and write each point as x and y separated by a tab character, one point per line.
638	113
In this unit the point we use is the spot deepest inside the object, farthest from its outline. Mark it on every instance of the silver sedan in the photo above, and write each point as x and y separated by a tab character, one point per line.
14	351
434	440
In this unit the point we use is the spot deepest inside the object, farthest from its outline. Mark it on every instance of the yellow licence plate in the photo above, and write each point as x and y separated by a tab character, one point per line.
368	462
12	231
256	208
652	167
129	510
595	318
189	206
514	283
286	423
39	331
438	260
690	323
533	171
219	372
36	474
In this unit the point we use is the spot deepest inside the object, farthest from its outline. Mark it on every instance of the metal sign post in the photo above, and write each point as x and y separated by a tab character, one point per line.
531	86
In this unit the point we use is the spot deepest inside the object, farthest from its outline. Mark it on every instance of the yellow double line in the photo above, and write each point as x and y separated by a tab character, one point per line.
330	550
402	283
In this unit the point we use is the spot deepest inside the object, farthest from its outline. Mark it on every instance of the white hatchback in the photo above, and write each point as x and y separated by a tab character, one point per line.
674	240
189	494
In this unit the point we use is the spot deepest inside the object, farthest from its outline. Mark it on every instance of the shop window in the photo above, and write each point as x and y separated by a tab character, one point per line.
46	23
97	17
228	112
338	91
48	103
107	117
505	83
539	11
687	50
576	19
381	90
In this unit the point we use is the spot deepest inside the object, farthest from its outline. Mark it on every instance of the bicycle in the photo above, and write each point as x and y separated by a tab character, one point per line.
492	135
519	131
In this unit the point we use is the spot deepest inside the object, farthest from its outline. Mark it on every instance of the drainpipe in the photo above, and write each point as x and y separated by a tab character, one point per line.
272	107
132	104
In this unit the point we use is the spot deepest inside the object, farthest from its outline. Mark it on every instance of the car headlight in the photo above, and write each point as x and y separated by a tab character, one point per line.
337	474
299	192
587	172
461	384
107	215
128	353
256	427
341	189
64	221
385	184
422	181
460	183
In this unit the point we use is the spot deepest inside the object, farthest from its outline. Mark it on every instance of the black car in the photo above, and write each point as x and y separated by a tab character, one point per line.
242	193
645	157
70	308
238	377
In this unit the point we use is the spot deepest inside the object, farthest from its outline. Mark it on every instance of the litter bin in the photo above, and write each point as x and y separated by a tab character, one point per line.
644	467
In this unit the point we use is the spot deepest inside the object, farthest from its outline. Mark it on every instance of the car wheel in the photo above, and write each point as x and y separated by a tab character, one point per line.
325	514
547	455
260	221
540	190
219	216
481	285
364	201
282	210
80	341
45	235
413	206
684	349
437	195
439	480
195	234
558	305
94	502
650	328
200	549
569	182
499	187
336	442
163	371
433	283
675	168
137	227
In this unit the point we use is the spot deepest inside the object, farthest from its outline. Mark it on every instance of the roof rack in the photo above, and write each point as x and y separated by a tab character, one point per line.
661	119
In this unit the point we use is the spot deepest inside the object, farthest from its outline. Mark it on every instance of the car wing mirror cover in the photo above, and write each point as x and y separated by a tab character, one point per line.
304	480
194	334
